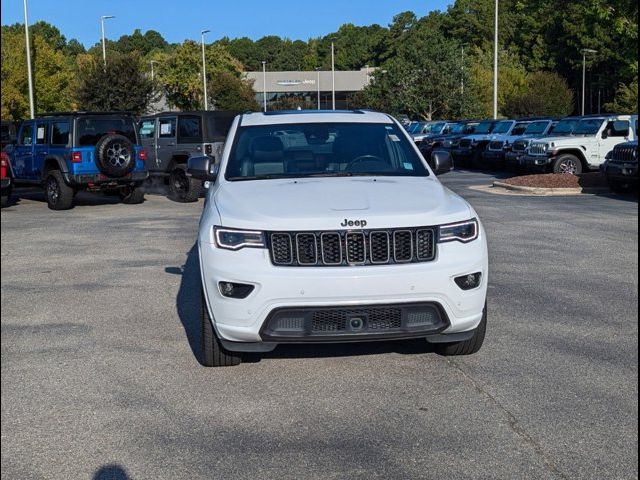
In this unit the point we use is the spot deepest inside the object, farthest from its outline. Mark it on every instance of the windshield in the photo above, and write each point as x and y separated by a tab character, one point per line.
502	127
588	127
89	130
302	150
564	127
536	128
416	127
484	127
519	129
436	128
455	128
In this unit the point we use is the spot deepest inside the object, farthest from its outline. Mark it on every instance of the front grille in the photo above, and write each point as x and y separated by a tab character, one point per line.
292	324
520	145
465	143
538	149
349	248
625	154
496	145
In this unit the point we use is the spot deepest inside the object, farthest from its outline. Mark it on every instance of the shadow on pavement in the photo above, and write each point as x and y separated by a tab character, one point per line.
111	472
188	308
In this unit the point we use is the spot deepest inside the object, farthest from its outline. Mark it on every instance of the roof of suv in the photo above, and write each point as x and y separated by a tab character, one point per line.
314	116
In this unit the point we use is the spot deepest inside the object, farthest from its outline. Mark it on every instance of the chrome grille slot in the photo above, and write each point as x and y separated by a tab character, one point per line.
379	247
356	248
537	149
520	145
306	249
424	245
496	145
624	154
281	249
402	246
331	248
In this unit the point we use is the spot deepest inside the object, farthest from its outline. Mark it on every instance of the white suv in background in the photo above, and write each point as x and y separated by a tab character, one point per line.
343	235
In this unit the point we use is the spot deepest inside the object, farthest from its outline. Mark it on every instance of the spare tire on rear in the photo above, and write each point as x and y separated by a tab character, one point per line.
115	156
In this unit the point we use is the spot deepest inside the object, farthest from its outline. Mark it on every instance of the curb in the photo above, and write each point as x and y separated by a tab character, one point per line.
551	191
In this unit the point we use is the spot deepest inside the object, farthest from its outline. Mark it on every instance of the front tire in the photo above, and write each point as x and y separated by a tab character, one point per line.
467	347
132	195
59	195
213	353
183	188
567	164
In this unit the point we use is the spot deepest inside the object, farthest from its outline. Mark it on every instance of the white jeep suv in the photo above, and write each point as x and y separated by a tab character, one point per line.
323	227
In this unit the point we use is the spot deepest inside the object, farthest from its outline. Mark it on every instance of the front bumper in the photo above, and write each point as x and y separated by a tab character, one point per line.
99	179
513	158
536	162
626	172
492	157
346	287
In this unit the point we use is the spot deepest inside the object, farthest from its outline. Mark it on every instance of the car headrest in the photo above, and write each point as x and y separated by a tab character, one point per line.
267	149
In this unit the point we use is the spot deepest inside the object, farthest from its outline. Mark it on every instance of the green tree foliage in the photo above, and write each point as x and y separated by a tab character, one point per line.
143	44
52	74
229	92
120	86
545	94
626	99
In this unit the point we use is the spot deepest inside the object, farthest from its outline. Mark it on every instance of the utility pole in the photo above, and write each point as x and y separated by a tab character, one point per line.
333	74
32	109
584	52
495	66
264	84
104	44
204	70
318	71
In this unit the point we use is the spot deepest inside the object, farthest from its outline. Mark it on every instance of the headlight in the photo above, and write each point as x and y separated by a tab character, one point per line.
461	232
232	239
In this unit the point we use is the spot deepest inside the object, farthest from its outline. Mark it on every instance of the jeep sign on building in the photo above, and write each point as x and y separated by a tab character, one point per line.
301	88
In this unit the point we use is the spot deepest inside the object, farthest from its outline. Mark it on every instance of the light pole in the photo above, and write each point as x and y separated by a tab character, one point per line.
204	70
584	52
318	71
32	109
104	46
264	85
152	73
495	66
333	74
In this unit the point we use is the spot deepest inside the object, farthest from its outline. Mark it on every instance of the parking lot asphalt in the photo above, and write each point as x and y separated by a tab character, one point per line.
100	377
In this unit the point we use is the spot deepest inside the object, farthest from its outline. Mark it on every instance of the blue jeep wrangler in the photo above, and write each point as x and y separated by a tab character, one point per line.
70	152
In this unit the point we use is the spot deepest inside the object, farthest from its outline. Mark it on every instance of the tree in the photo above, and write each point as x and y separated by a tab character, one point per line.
546	94
120	86
231	92
52	74
626	99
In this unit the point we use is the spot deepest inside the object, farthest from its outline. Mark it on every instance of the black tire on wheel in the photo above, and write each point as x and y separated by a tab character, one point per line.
5	200
567	163
468	347
213	353
132	195
183	188
115	156
59	195
617	186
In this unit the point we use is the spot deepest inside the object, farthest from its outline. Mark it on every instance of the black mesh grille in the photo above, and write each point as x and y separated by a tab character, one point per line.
306	248
356	248
384	318
379	248
366	247
329	321
465	143
281	249
331	248
402	246
425	244
496	145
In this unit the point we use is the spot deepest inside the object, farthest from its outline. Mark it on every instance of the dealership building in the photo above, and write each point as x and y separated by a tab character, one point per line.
290	89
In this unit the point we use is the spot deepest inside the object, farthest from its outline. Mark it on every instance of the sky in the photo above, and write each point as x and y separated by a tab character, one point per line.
178	20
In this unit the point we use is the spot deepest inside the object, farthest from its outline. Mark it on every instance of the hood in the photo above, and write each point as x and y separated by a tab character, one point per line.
479	136
325	203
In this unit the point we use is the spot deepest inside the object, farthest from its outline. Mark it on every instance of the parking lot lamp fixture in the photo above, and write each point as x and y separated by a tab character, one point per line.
204	70
32	109
333	73
318	71
584	52
104	46
495	65
264	85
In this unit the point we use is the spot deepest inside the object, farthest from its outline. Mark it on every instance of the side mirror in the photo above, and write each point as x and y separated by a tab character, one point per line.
605	134
201	168
441	162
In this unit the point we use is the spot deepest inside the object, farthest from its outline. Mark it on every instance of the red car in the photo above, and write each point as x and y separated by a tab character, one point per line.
7	181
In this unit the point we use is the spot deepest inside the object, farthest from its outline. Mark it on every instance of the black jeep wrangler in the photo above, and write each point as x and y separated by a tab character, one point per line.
171	138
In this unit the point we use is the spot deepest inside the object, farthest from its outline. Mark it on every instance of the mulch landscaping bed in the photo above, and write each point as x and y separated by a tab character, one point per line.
559	180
